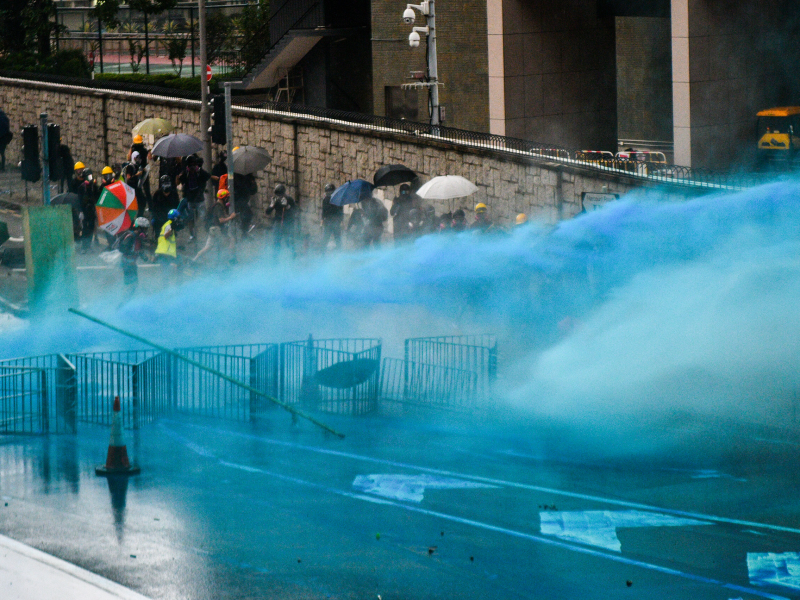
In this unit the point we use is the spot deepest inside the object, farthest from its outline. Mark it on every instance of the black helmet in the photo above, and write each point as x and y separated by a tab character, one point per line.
459	214
164	181
191	161
280	189
329	187
405	189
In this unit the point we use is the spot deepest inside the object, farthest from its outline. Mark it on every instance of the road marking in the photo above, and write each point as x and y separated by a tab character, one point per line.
410	488
599	527
774	569
481	525
497	482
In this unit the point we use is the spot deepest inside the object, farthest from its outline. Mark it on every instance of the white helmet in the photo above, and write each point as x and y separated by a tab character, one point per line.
141	222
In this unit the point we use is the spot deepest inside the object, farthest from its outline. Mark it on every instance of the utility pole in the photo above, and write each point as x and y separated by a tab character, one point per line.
45	160
427	8
229	140
205	117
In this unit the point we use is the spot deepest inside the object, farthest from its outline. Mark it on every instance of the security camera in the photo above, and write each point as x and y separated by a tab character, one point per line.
413	39
409	16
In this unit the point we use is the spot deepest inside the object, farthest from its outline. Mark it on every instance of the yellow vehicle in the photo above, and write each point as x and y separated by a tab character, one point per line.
603	157
776	128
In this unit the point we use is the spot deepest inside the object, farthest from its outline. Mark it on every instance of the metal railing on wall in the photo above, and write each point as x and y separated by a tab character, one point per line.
644	171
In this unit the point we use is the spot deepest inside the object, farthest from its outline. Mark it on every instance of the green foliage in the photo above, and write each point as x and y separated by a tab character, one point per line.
107	11
219	28
253	24
136	50
71	63
176	46
27	24
166	80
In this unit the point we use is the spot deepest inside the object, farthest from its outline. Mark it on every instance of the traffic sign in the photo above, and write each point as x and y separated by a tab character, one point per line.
208	72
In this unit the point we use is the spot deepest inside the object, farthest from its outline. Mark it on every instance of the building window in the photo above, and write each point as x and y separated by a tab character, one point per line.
401	104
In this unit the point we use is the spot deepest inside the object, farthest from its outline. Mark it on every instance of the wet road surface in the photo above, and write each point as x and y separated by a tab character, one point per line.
413	509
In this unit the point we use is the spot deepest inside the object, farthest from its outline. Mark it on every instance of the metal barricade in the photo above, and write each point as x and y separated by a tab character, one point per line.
102	376
58	390
339	376
202	393
23	400
432	386
474	353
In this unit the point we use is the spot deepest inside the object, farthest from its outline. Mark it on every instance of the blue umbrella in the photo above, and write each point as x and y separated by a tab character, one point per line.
352	192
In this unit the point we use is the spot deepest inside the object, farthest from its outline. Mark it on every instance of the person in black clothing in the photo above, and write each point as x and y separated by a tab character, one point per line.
244	188
65	156
332	217
285	213
375	215
164	200
401	207
81	185
5	138
144	182
459	220
194	179
219	169
131	246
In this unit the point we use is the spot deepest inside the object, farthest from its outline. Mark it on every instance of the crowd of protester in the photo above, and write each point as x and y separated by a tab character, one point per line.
172	219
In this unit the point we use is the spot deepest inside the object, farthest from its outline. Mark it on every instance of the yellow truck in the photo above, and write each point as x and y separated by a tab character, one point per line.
778	134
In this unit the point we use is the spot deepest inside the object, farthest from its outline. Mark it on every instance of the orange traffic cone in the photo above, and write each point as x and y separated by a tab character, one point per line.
117	461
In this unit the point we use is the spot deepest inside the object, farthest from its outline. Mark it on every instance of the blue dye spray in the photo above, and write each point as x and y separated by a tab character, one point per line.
644	305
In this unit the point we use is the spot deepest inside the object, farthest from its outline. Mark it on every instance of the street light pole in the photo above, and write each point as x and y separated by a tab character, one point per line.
427	8
205	116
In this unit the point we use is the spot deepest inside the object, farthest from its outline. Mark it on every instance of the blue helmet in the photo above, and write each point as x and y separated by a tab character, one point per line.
173	214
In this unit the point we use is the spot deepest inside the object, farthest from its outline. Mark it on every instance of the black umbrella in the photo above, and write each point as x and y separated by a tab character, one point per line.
176	144
70	199
393	175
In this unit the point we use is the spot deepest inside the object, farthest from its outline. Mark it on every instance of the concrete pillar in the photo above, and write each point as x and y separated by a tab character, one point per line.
681	99
497	96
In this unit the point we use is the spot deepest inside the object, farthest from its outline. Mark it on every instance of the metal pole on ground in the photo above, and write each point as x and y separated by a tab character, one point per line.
229	141
178	355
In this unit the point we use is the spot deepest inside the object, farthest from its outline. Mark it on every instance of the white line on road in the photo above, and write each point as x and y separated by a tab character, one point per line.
501	482
479	524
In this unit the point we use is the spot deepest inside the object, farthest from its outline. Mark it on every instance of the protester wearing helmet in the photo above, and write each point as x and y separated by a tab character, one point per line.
165	199
284	212
218	226
482	222
193	178
167	246
143	191
106	176
332	217
82	185
522	218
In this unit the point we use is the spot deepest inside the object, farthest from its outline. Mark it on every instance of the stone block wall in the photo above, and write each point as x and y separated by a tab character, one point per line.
307	154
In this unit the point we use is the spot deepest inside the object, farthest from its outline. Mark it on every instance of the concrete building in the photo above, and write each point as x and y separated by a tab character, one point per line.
577	73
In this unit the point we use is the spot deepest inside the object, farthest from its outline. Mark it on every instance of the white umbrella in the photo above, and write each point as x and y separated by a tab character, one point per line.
446	187
249	159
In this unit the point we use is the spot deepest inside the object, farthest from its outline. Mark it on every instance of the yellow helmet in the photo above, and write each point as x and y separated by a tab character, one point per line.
137	139
79	165
522	218
107	171
480	207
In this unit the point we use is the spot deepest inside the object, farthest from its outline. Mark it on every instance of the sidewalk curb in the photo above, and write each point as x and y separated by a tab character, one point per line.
71	570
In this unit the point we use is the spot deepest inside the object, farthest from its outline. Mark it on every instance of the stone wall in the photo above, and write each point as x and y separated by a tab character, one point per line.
307	154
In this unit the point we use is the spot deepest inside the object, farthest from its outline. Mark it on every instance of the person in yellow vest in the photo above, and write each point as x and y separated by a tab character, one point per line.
167	246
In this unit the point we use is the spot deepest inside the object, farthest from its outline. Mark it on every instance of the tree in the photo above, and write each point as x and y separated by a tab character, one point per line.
25	25
107	11
147	8
253	24
219	28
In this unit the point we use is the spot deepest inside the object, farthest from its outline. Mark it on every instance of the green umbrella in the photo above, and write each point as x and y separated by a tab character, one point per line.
156	127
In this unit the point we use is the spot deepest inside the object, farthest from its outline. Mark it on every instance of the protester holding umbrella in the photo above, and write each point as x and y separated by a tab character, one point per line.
332	217
144	157
193	179
247	161
285	213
